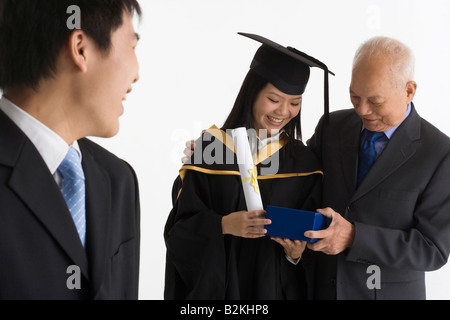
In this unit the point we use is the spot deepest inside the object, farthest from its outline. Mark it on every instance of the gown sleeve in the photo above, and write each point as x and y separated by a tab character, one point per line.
195	259
293	277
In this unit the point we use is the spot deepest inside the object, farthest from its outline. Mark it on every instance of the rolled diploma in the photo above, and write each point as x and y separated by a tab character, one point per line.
247	169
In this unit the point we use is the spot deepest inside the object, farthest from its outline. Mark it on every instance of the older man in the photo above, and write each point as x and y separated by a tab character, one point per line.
386	185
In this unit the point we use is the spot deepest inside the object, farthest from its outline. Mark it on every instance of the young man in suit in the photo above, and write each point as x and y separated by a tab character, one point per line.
69	209
386	185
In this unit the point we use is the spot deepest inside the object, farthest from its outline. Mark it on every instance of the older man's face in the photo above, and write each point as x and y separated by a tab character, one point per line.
377	96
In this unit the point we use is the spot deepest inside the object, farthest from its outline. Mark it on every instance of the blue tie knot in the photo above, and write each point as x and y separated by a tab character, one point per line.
372	136
367	153
70	167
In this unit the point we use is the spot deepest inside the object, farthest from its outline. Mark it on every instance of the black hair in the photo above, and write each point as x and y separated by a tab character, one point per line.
33	32
242	113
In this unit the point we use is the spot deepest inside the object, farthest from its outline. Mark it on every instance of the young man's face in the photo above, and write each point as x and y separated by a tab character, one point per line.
111	77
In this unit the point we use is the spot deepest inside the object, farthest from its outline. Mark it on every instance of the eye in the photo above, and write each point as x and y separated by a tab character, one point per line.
295	104
355	100
375	104
272	100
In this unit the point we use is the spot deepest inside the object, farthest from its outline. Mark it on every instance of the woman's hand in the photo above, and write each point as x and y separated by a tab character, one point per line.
293	248
245	224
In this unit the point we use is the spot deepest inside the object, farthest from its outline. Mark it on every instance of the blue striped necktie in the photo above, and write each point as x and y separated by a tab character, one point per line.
367	154
73	190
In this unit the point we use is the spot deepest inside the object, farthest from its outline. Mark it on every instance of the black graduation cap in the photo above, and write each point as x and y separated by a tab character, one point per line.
287	68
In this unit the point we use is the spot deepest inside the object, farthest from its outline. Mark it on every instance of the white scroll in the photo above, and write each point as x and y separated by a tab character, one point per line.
247	169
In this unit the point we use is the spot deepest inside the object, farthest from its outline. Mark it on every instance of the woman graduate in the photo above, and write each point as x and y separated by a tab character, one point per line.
215	248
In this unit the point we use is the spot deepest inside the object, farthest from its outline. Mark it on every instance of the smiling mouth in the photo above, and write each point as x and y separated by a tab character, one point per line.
124	98
275	120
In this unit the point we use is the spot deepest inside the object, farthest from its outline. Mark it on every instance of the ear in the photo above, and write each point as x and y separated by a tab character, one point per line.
78	45
411	88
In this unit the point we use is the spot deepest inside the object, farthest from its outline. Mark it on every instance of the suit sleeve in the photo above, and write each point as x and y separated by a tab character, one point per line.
426	246
315	142
137	220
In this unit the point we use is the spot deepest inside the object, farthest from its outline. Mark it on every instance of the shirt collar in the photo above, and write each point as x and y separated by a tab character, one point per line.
257	143
265	141
51	146
391	131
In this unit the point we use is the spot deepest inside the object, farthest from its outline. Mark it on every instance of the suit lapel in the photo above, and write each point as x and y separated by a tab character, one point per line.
399	149
98	215
349	152
35	186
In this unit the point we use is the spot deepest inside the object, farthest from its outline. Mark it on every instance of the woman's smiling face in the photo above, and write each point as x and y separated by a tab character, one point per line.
273	109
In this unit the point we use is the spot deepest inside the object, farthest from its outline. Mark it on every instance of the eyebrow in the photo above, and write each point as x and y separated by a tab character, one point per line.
370	98
296	98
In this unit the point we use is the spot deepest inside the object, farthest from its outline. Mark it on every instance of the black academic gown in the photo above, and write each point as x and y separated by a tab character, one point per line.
201	263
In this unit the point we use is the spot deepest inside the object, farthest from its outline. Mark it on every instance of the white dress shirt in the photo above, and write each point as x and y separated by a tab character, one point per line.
51	147
257	143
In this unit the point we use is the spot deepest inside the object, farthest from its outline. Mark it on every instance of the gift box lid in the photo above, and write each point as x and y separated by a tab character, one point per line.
292	224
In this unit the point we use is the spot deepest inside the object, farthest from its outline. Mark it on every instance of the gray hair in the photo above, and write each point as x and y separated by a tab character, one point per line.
402	58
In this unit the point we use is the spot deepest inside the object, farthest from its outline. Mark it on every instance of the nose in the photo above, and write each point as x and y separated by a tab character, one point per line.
364	108
283	109
137	68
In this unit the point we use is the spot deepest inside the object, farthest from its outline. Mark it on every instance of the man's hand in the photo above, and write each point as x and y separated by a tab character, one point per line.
336	238
188	151
245	224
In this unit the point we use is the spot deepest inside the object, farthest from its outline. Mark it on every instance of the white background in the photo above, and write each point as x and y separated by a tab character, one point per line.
193	64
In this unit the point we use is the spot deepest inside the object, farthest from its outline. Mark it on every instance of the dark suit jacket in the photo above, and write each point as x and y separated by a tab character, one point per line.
401	211
38	239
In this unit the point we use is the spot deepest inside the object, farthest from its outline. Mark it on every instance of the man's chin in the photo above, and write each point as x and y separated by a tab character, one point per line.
108	133
372	125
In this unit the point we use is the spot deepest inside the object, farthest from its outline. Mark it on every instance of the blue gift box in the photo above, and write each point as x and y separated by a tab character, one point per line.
292	224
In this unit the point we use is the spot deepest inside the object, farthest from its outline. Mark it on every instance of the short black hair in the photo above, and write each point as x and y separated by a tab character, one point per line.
33	32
